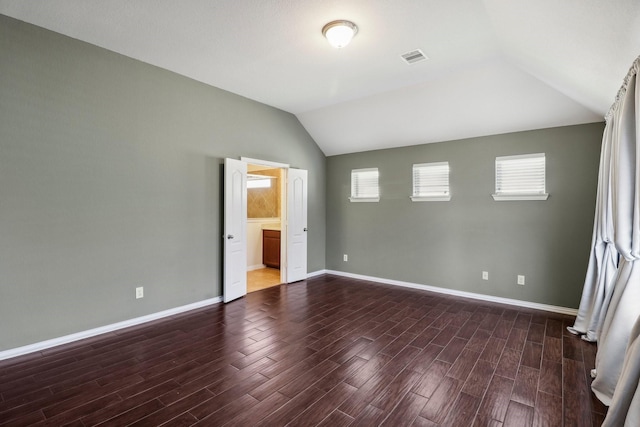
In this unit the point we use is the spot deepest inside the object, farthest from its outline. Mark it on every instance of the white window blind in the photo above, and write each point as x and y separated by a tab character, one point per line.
364	185
431	182
520	177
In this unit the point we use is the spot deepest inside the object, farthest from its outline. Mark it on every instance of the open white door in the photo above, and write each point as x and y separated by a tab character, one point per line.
235	230
296	225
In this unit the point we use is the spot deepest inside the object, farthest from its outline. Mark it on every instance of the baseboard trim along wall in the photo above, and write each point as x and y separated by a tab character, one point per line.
43	345
464	294
316	273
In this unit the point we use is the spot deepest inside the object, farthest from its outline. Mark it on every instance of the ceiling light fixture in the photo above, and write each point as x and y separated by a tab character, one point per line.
339	33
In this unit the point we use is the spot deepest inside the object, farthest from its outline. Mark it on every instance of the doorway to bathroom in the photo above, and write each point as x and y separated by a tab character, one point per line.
292	220
265	197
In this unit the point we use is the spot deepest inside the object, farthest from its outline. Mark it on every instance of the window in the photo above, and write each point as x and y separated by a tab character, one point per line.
258	181
364	185
431	182
520	177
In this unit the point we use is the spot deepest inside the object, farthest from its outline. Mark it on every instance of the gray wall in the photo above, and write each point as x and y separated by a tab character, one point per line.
110	179
449	244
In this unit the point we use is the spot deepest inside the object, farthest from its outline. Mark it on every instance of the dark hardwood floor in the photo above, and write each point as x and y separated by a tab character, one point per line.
328	351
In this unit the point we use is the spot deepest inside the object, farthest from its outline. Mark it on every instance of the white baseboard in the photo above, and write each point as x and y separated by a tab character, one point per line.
256	267
316	273
32	348
43	345
464	294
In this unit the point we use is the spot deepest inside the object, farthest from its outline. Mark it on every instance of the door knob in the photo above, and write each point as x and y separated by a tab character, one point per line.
230	236
305	229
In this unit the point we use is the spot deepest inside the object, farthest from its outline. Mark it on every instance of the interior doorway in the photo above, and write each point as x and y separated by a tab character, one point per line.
293	225
265	213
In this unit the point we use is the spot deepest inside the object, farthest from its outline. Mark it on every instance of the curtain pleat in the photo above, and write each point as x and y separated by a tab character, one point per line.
617	370
625	405
603	262
616	332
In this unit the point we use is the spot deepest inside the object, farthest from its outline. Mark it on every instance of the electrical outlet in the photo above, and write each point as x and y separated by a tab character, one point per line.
345	257
139	292
520	280
485	275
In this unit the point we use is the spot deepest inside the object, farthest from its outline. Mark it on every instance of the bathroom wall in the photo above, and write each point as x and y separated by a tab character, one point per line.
265	202
263	207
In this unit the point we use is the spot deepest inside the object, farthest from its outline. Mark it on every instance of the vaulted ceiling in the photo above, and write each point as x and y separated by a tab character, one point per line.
494	66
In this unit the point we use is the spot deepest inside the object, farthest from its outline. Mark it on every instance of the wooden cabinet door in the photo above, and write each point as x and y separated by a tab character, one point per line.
271	248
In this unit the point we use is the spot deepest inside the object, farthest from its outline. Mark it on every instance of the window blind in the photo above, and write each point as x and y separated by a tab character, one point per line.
364	185
521	176
431	181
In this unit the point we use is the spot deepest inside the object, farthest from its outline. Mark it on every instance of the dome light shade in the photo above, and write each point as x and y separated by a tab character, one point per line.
339	33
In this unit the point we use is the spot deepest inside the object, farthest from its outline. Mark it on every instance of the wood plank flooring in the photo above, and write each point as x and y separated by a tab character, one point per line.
328	351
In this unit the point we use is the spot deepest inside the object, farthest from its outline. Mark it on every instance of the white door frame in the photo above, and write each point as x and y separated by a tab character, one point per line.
265	163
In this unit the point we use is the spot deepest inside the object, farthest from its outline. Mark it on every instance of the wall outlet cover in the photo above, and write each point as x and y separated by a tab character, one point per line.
520	280
485	275
345	257
139	292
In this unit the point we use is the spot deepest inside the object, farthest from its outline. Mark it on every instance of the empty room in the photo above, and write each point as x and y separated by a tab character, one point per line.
319	213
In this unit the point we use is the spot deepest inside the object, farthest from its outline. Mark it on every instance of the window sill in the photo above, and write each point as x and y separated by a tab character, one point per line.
515	197
430	198
364	199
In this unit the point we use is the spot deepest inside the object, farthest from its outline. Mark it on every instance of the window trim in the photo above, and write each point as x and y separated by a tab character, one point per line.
522	195
355	199
434	198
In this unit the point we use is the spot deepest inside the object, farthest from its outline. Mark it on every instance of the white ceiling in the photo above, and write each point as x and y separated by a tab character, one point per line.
494	66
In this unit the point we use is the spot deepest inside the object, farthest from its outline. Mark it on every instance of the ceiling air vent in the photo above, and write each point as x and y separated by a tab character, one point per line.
413	56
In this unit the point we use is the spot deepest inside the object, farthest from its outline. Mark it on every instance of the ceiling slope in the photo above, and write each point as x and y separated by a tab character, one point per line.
580	48
486	98
494	66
